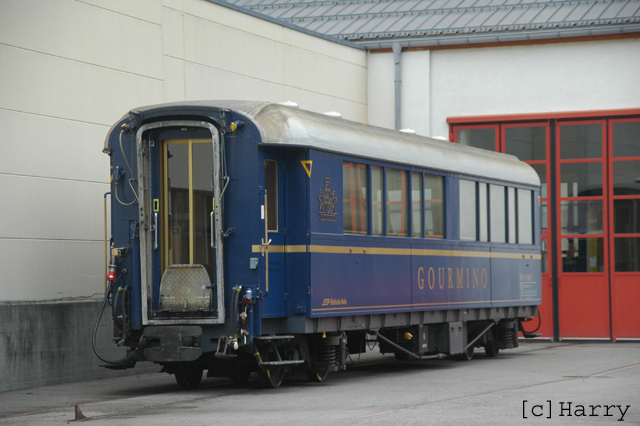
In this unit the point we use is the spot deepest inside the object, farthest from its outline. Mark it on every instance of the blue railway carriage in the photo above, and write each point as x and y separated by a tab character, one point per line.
258	237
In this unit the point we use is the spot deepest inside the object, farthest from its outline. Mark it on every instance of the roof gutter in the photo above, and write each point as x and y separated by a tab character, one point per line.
443	41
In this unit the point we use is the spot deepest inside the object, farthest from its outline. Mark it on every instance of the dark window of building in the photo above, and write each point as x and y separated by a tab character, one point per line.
479	138
582	255
580	141
526	143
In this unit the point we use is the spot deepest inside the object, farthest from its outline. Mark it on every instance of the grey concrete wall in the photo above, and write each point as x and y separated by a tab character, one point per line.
45	343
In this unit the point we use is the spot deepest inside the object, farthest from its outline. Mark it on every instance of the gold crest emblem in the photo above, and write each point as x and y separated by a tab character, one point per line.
328	199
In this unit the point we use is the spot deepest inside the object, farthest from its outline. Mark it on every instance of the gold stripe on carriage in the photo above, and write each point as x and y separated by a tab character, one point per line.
393	251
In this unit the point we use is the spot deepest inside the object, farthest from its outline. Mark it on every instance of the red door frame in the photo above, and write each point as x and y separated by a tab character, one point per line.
625	286
583	295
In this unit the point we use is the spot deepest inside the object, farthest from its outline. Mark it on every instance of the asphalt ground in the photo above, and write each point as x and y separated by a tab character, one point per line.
539	383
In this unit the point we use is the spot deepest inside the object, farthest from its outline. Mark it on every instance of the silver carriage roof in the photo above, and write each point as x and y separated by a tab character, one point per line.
281	125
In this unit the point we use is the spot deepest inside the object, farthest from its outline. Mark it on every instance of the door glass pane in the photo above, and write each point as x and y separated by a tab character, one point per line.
397	199
545	255
580	141
525	217
498	222
627	254
468	210
416	203
543	216
479	138
541	169
354	190
483	214
626	216
626	139
580	179
202	204
625	174
433	206
511	211
582	255
526	143
177	184
271	185
581	217
376	202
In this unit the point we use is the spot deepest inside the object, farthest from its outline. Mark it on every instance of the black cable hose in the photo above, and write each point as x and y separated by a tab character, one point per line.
537	328
95	329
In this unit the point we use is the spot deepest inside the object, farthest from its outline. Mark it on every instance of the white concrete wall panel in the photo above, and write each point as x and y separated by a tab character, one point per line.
319	45
206	10
148	10
85	33
222	47
51	269
58	209
173	32
58	87
530	79
381	90
174	79
204	82
324	74
35	145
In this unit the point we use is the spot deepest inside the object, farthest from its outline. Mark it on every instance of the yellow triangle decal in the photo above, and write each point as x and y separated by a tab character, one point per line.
307	166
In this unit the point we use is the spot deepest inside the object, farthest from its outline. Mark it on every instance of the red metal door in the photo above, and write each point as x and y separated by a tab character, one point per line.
583	267
624	228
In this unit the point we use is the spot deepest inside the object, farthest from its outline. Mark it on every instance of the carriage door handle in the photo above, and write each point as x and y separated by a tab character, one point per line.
155	231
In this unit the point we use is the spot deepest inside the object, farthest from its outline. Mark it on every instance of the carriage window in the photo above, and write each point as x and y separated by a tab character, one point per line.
468	210
416	201
271	185
376	199
498	230
483	213
397	202
433	206
354	197
525	217
511	212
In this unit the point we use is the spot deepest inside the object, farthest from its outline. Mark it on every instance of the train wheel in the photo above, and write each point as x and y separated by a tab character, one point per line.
317	376
188	376
491	349
271	377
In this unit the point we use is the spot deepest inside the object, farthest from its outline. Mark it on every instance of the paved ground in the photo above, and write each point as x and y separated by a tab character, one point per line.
538	383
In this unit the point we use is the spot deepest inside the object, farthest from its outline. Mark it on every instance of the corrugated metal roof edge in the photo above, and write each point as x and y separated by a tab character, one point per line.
505	37
286	24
